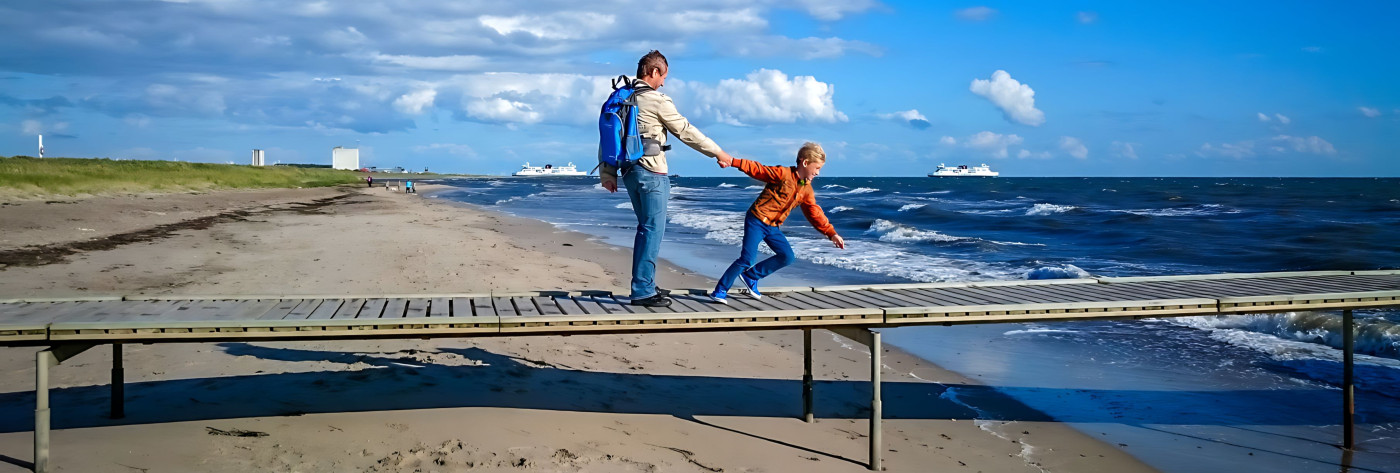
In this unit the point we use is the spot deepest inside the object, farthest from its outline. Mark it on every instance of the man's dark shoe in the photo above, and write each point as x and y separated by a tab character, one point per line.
653	301
664	292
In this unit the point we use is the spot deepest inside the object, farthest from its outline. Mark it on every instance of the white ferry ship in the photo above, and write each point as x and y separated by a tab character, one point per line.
963	171
549	170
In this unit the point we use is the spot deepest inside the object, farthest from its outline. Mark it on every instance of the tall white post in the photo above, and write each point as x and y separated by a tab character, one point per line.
41	146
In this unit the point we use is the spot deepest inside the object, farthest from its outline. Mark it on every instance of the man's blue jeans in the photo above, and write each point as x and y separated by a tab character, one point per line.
754	232
649	192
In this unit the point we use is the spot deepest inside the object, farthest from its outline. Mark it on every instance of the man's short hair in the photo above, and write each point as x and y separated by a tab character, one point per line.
652	60
811	152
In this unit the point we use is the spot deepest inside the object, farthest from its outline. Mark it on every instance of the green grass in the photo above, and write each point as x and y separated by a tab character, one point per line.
29	178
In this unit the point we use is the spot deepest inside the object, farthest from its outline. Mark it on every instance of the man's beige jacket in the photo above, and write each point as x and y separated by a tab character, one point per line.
656	115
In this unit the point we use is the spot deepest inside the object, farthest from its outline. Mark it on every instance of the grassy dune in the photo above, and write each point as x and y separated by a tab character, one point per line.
29	178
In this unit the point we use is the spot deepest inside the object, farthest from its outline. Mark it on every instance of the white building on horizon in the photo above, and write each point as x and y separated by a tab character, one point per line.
345	158
258	158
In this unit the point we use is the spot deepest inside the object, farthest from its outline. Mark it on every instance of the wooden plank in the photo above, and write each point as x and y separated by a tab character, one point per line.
790	303
547	306
503	307
462	307
373	309
482	307
24	312
695	306
1017	294
568	306
945	295
416	308
394	308
810	298
832	299
246	310
439	307
873	299
525	306
1221	276
590	306
916	295
304	309
280	311
328	309
349	309
851	298
902	299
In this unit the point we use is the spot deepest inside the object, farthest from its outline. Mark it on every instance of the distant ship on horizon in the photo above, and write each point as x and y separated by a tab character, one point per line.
548	170
963	171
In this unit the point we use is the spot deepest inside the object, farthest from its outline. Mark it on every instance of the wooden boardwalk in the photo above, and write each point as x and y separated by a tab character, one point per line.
70	326
132	319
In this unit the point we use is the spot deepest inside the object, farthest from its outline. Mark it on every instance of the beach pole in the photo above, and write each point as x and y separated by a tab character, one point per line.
1348	394
875	407
118	383
43	361
807	375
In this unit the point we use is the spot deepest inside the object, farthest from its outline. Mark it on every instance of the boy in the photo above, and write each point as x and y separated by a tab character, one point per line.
787	187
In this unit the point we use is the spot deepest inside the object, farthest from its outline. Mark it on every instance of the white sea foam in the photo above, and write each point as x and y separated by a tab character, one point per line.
1064	271
862	190
1295	335
839	208
754	187
834	186
1192	211
1049	209
1036	331
624	205
908	207
896	233
726	184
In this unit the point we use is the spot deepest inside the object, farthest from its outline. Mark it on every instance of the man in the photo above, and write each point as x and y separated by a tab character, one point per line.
647	185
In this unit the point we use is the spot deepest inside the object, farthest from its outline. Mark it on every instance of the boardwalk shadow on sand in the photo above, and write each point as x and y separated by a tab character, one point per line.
395	383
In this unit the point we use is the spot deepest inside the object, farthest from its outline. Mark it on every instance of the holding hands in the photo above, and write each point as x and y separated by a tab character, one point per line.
724	159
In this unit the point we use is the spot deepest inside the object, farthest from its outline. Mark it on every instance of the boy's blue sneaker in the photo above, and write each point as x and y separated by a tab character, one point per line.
719	298
752	284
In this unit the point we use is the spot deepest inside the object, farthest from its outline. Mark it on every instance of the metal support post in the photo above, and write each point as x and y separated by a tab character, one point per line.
1348	394
118	383
807	375
875	404
43	361
871	339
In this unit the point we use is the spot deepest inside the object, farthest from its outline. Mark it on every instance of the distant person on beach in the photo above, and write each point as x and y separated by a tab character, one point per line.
646	181
787	187
369	181
408	187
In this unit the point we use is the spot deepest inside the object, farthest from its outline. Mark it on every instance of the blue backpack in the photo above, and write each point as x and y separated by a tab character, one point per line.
619	145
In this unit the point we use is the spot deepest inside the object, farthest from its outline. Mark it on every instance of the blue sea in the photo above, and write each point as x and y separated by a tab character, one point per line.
1233	393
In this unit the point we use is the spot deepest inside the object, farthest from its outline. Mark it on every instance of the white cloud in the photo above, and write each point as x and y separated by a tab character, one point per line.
413	103
804	48
1311	144
1074	147
830	10
1087	17
912	117
502	110
1125	150
435	63
947	141
979	13
701	21
766	96
1015	99
450	148
1242	149
1369	112
564	25
1027	154
1281	144
994	144
1282	119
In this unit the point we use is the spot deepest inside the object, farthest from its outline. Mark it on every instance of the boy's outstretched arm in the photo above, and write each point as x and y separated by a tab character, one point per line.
769	174
817	218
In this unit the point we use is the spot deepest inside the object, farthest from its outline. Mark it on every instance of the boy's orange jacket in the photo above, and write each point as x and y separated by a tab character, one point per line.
783	192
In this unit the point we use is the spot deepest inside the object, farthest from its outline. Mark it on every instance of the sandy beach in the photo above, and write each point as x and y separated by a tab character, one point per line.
605	403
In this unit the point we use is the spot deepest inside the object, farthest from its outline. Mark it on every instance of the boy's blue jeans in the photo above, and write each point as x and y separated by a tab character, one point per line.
649	192
754	232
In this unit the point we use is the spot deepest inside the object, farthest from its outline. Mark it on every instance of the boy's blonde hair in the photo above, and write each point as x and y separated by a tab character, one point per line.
811	152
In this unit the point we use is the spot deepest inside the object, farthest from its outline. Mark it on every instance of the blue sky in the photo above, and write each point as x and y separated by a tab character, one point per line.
889	88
